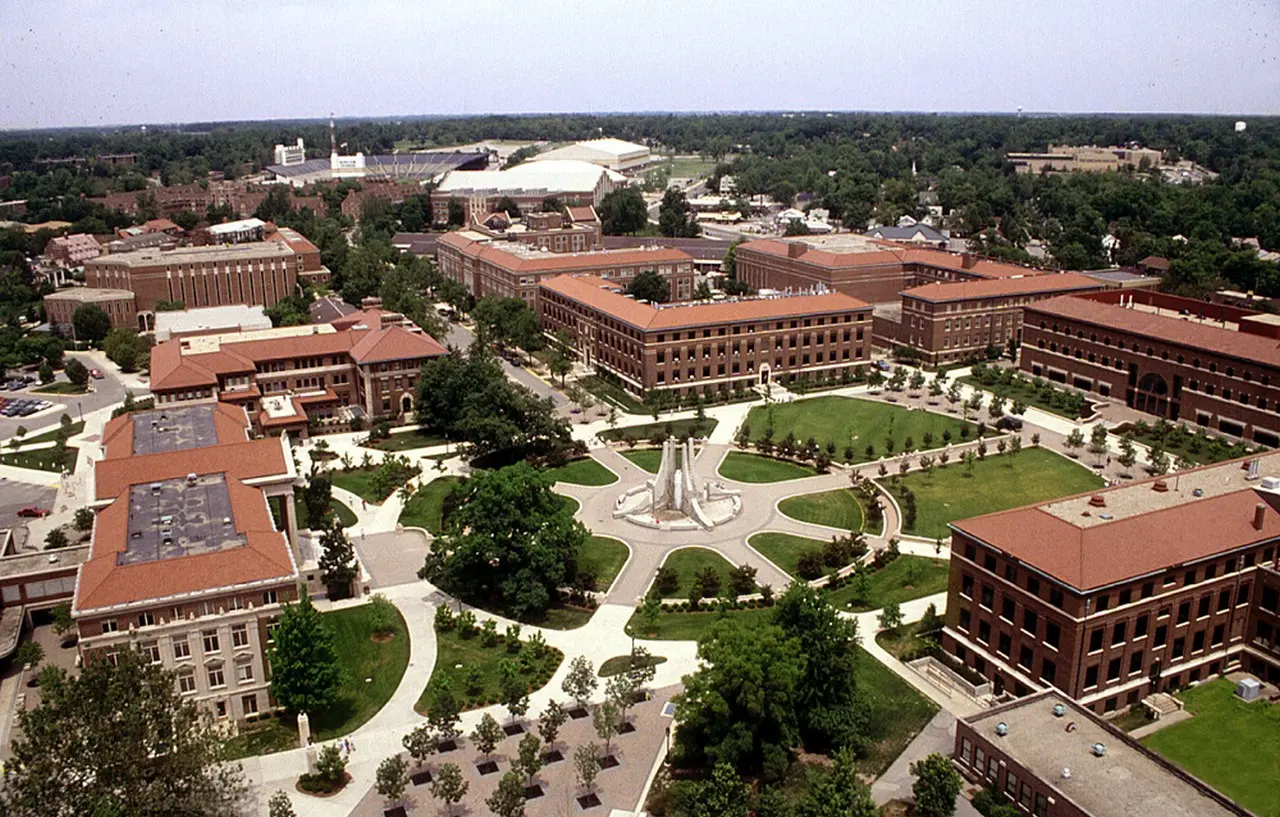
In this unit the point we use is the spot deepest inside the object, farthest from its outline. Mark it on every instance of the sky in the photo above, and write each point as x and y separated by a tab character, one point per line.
94	62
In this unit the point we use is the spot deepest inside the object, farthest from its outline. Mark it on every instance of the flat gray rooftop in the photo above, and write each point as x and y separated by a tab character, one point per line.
174	429
179	517
1126	780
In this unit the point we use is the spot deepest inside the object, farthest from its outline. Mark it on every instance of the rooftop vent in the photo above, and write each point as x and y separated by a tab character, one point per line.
1066	773
1259	515
1098	501
1160	486
191	479
1197	492
1059	710
1002	728
1105	517
1099	749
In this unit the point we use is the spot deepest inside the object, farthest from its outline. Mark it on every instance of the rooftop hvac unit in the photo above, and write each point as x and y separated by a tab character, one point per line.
1248	689
1099	749
1002	728
1066	773
1059	710
1270	484
191	479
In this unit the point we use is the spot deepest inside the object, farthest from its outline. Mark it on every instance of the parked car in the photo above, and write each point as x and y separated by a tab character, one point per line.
1009	423
33	511
95	374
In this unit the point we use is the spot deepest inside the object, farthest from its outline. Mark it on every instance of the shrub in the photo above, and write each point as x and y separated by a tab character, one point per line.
809	565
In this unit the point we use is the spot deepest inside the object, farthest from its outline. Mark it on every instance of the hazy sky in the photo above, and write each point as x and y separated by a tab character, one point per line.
134	61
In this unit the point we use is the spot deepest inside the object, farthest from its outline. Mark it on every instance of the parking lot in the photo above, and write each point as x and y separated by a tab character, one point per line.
14	496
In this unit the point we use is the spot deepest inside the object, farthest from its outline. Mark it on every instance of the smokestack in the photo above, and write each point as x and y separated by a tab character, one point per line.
967	260
1259	515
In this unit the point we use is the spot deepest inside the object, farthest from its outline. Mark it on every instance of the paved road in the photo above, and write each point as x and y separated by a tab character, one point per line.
461	337
16	495
108	391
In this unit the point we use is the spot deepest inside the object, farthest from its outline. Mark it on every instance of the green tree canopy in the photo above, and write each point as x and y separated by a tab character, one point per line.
650	286
676	217
90	322
305	674
623	211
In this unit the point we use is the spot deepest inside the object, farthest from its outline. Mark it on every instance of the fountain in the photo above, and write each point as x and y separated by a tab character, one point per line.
671	500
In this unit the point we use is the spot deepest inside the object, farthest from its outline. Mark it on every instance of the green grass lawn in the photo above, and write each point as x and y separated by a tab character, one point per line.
1231	745
424	509
855	423
621	663
647	458
837	509
1025	393
689	561
1194	448
613	394
51	435
569	502
784	549
61	387
407	441
346	517
691	626
903	579
372	671
672	428
358	481
897	712
457	655
745	467
277	733
996	484
42	459
689	167
585	471
604	556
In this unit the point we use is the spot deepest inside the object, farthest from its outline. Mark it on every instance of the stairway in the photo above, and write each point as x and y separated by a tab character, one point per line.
1161	704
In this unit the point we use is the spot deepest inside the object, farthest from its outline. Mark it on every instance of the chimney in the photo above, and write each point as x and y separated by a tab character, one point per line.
795	249
1160	486
967	260
1259	515
1097	501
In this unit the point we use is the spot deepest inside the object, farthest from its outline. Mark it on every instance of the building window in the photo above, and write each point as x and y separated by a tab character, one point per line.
1030	621
244	673
1052	634
249	703
988	597
1095	640
1048	671
966	750
146	619
181	647
152	651
1162	633
187	682
269	597
220	709
110	626
210	638
1118	633
1007	609
216	678
1091	677
239	636
1113	670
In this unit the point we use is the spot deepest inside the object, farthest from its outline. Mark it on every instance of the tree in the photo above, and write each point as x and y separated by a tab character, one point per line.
124	348
421	743
83	519
507	205
511	541
456	212
675	216
305	673
443	708
55	539
337	561
508	798
1128	452
529	756
650	286
623	211
77	373
29	653
317	498
549	723
331	764
839	793
487	734
560	364
46	373
891	617
63	623
724	795
392	777
581	681
448	786
119	739
586	764
280	806
936	787
607	720
1098	441
513	689
90	322
1074	441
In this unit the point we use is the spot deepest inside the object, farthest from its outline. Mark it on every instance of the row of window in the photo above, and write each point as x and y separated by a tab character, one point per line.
147	618
819	358
988	766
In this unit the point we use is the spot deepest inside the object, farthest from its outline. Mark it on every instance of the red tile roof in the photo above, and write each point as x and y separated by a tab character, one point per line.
1212	339
229	423
893	254
485	250
251	459
603	295
395	343
1002	287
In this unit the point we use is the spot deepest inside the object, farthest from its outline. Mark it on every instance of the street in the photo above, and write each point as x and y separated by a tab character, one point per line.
462	338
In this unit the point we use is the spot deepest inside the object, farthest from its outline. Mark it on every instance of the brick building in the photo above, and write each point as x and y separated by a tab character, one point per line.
72	250
119	304
711	346
300	377
1213	365
947	322
868	269
1050	758
1108	597
551	232
489	266
259	273
186	564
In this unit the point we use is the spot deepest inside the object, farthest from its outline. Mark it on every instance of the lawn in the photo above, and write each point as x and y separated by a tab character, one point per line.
569	502
854	423
687	562
346	517
902	580
692	626
744	467
42	459
51	435
996	484
1197	449
604	556
585	471
1231	745
622	663
648	458
671	428
613	394
457	656
836	509
424	510
61	387
358	481
784	549
1026	393
897	712
688	167
407	441
371	670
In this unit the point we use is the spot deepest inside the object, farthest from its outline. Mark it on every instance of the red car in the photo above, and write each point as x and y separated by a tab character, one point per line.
32	510
95	374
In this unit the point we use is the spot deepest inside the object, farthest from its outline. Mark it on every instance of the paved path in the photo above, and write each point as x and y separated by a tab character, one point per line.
938	735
